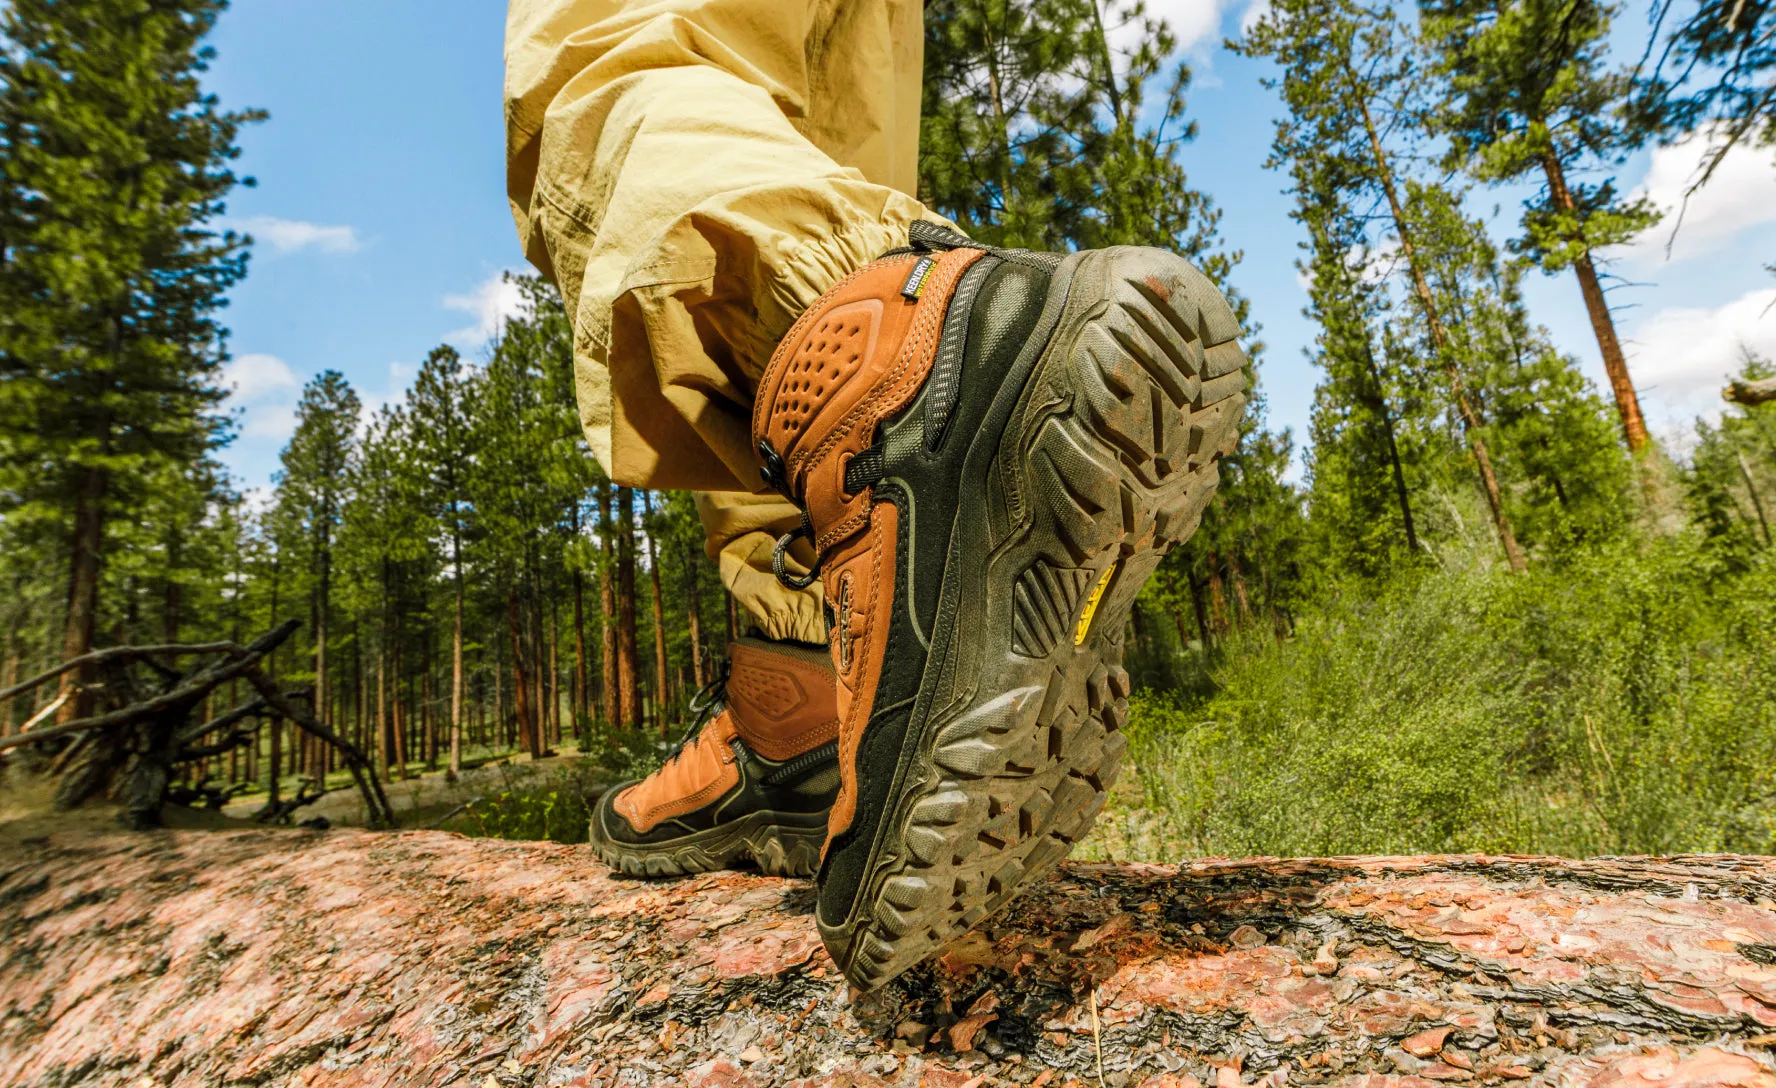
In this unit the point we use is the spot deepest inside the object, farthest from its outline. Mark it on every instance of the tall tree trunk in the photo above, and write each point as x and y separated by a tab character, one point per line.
456	648
403	720
9	675
694	615
1757	503
1379	405
83	589
428	714
628	655
1439	334
385	745
1603	326
520	681
1218	619
554	672
582	699
499	694
170	591
1239	588
660	699
607	621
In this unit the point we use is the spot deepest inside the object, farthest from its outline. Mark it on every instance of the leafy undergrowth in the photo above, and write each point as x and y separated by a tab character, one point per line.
1624	703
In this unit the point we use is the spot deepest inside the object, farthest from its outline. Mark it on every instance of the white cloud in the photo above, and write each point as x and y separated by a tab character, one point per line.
275	421
1681	357
264	388
255	376
490	303
293	235
1255	11
1740	195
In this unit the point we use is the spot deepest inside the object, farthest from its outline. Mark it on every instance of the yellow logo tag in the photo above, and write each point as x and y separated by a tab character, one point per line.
1091	605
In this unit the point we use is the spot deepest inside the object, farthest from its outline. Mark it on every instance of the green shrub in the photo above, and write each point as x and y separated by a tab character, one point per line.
1622	703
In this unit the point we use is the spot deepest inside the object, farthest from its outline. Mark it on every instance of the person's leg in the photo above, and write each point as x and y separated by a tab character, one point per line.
693	175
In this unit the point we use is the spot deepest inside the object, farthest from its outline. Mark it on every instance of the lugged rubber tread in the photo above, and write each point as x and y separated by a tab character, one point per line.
1110	458
777	849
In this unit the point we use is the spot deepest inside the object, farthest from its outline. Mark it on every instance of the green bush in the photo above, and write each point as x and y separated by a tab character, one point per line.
1622	703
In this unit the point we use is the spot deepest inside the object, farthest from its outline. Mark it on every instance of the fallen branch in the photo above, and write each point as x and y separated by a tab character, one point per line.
381	813
1748	393
121	653
188	693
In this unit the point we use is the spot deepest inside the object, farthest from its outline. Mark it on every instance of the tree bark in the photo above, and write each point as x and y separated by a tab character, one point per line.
83	587
450	960
628	654
1379	405
1748	392
660	699
607	600
456	645
1603	326
582	699
520	682
694	616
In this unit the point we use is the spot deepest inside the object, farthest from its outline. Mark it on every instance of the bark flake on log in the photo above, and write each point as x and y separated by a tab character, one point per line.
423	958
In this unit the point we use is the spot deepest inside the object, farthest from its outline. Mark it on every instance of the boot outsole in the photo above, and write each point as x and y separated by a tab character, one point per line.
777	847
1108	459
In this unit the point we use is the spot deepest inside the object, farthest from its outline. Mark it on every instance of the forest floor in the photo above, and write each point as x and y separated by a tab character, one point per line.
423	798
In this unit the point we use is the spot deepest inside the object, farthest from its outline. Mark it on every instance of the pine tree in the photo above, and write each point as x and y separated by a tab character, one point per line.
314	486
1344	63
443	454
1002	100
1530	92
113	162
1712	74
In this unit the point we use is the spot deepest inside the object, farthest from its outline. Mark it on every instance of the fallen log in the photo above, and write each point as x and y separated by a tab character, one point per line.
1747	392
424	958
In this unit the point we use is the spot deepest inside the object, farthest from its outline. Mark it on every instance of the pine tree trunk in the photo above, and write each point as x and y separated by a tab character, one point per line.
1603	326
554	673
428	715
1471	970
456	656
1421	287
628	654
607	622
1379	405
694	616
402	721
582	701
384	740
660	699
169	607
520	681
1218	617
9	675
83	588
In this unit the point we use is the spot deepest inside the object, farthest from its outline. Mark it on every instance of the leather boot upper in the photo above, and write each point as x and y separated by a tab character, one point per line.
857	357
780	704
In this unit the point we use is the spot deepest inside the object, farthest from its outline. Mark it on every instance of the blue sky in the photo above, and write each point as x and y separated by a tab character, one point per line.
382	224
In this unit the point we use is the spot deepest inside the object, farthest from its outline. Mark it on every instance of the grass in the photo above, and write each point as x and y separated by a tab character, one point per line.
1623	704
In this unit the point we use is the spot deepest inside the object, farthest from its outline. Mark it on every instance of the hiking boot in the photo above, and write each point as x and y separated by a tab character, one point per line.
755	782
993	449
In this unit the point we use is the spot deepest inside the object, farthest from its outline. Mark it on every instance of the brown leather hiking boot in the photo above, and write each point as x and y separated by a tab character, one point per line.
993	449
756	782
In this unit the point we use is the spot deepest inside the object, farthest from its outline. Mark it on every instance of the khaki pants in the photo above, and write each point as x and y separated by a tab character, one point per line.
693	174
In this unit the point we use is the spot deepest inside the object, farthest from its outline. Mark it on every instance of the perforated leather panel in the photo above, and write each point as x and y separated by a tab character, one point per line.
831	354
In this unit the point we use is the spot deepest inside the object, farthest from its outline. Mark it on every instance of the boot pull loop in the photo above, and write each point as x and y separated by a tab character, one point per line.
780	557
